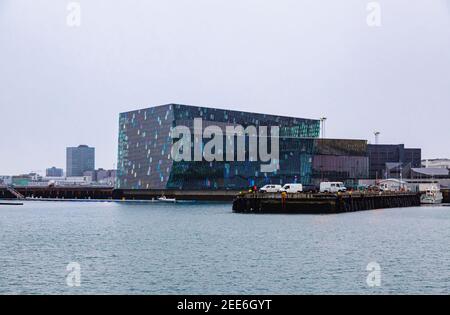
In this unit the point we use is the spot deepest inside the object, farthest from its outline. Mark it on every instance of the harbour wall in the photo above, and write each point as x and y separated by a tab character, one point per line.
106	193
446	193
322	203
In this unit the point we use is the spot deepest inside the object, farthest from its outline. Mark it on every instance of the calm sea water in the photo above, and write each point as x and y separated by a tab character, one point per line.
204	248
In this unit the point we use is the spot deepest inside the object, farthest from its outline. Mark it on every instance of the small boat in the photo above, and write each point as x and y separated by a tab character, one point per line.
11	204
432	196
165	199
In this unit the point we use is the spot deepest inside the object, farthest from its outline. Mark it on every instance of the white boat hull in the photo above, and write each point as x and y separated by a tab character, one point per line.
167	200
433	199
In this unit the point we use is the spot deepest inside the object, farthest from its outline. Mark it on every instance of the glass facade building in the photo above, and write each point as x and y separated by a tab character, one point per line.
382	156
340	160
145	144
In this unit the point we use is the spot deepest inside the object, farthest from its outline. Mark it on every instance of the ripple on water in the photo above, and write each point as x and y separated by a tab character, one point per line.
203	248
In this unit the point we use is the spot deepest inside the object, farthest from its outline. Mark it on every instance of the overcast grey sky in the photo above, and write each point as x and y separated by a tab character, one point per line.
63	86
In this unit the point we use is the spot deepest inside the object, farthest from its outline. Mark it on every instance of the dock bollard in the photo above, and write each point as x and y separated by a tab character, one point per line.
283	200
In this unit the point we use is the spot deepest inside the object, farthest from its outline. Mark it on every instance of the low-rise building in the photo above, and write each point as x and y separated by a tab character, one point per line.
71	181
102	176
436	163
54	172
429	173
5	180
393	184
26	179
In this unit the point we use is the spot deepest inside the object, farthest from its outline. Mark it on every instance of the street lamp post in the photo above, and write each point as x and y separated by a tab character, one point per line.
377	136
323	120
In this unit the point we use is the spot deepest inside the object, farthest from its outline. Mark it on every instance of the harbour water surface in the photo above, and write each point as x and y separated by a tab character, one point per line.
204	248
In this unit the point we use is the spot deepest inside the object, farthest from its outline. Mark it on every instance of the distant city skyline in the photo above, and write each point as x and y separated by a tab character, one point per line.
61	86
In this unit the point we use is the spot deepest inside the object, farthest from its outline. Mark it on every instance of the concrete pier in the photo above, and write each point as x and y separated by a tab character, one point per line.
76	192
108	193
322	203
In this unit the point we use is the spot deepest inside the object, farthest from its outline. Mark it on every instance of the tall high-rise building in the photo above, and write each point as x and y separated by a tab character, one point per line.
79	160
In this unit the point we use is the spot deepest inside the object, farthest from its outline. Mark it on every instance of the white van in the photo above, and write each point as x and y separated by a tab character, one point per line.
270	189
332	187
292	188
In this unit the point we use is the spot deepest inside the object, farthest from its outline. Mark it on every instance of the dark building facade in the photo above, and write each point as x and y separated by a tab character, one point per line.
54	172
145	143
340	160
79	160
146	139
389	160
